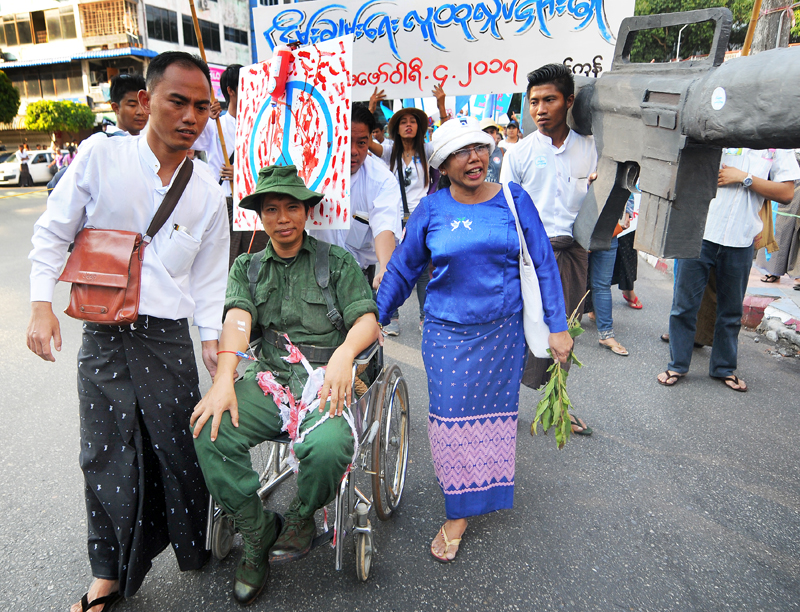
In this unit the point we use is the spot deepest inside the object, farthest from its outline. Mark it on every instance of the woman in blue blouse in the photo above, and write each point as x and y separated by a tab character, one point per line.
473	342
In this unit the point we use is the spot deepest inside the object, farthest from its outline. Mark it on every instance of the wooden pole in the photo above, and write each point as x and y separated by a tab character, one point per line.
226	161
751	29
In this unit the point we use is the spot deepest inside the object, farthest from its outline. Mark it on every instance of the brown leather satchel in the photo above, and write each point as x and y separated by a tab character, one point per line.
105	266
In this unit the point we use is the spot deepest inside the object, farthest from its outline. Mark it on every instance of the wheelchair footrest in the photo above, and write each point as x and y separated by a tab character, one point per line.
323	538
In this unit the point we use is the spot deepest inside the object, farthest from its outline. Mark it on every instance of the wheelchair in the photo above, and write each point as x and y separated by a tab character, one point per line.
380	410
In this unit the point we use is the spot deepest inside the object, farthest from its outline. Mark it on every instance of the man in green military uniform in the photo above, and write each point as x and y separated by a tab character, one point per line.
287	300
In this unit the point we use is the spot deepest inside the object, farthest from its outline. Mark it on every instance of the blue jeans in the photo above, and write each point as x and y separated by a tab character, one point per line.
733	270
601	269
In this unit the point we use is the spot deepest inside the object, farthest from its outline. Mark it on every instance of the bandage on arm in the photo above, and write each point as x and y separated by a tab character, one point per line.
235	338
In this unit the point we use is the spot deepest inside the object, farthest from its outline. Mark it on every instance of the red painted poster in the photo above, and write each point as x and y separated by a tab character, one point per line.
308	126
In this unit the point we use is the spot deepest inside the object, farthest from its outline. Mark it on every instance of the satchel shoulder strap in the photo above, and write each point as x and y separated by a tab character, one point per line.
171	199
523	247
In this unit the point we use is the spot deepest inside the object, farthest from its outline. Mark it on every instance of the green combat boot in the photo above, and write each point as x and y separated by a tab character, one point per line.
296	537
259	532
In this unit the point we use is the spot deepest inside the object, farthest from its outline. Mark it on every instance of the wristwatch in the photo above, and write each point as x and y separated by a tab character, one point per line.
748	180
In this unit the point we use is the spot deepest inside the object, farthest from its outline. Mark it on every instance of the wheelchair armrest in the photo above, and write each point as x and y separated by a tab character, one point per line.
367	354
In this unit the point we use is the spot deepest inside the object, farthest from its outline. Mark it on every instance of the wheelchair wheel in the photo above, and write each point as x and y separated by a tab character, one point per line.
268	459
363	555
222	536
390	446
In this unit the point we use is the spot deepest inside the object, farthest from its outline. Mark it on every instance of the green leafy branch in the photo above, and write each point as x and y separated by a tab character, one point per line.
553	409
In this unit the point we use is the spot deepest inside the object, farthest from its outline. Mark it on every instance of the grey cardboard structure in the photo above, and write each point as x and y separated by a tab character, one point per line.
666	124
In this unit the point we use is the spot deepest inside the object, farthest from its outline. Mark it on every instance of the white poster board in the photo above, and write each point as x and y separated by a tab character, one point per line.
405	47
308	126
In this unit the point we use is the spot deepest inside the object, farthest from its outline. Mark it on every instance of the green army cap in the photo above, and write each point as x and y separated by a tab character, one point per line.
282	180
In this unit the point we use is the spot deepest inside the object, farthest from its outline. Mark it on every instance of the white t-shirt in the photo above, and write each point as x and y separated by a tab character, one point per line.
733	218
556	179
374	195
413	173
507	146
22	156
209	142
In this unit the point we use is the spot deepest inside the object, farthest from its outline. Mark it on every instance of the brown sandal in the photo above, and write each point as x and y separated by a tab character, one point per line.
667	382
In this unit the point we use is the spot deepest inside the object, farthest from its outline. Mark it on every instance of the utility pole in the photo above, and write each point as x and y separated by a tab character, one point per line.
772	29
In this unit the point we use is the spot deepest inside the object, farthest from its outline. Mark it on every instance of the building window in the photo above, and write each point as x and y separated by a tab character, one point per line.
209	31
17	29
269	2
108	18
60	24
235	36
162	24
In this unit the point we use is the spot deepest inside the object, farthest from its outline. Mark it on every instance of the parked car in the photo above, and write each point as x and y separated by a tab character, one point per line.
39	160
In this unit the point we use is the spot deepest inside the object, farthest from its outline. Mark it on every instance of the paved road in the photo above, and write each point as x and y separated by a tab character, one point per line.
684	499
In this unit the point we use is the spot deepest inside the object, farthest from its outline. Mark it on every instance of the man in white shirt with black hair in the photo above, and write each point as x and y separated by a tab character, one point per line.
241	241
555	165
375	204
138	383
746	178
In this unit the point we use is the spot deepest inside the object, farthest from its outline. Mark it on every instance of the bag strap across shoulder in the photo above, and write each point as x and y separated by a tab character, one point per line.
523	247
171	199
402	188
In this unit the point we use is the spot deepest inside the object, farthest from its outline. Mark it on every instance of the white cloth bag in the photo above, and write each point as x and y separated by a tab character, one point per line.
537	334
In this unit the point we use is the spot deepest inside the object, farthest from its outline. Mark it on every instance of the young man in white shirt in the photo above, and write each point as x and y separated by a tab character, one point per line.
746	178
124	94
209	142
138	383
375	204
555	165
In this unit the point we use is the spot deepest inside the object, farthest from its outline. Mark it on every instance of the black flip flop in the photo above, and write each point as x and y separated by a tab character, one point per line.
666	383
107	601
770	278
732	378
586	430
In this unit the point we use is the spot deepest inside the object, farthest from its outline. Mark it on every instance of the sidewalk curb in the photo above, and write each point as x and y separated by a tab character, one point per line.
757	305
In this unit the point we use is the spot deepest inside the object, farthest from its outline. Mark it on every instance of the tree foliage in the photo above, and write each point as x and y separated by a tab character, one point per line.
661	44
9	99
58	116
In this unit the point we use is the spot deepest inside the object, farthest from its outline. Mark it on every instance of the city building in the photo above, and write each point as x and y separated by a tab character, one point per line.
70	49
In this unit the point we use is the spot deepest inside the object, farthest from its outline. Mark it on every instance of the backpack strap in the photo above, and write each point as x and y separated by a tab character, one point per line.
252	272
322	272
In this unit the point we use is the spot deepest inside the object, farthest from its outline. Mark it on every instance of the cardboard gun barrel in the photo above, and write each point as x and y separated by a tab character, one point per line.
665	124
760	97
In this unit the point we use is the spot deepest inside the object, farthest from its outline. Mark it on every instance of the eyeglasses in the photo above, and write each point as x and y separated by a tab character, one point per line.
407	176
465	153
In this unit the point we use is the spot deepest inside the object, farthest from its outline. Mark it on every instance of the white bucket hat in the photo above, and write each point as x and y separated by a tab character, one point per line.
456	134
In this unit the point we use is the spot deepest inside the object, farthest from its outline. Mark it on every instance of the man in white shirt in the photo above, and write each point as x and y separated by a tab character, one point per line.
209	142
138	383
124	95
375	204
555	165
746	178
